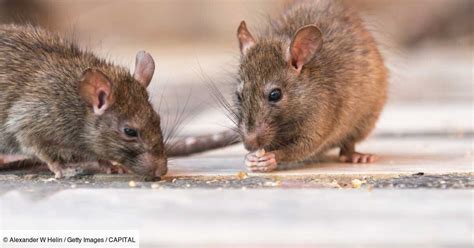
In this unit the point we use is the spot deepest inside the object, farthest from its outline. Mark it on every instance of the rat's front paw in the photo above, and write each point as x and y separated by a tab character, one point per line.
111	167
57	169
260	161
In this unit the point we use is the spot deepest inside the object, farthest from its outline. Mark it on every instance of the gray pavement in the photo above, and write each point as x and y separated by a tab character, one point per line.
256	218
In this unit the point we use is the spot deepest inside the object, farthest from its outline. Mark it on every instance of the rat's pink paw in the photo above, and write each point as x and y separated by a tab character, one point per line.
358	158
265	163
57	169
116	169
111	168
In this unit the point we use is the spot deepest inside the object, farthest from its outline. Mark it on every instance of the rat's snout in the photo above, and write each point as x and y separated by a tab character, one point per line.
154	165
251	141
162	168
257	138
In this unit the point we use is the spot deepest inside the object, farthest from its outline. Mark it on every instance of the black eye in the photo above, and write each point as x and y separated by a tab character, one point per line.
275	95
239	98
130	132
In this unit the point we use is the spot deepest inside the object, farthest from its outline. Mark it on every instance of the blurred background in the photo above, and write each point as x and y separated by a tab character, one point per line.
427	44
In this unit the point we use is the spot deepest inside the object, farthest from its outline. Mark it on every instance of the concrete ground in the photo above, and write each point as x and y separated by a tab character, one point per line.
418	194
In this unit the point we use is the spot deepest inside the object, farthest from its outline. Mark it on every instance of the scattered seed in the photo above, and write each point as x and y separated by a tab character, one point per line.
241	175
356	183
272	184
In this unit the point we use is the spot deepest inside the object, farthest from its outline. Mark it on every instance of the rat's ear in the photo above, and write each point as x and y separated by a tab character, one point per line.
246	41
96	90
144	68
307	41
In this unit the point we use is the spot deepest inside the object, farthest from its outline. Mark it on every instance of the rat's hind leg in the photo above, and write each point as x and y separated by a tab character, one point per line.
54	166
349	155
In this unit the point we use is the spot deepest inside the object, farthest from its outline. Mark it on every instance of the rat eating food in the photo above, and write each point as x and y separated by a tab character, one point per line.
65	106
313	80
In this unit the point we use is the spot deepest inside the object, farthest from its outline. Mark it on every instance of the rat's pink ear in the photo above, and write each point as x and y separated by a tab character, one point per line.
307	41
246	41
96	90
144	68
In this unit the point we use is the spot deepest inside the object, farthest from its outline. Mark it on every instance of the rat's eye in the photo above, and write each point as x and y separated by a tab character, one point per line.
275	95
239	98
130	132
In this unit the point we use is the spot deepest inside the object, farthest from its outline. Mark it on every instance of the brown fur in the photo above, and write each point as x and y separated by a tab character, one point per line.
334	101
43	116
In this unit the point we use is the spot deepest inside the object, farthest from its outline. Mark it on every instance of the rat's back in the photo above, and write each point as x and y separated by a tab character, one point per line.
38	77
349	63
345	37
29	54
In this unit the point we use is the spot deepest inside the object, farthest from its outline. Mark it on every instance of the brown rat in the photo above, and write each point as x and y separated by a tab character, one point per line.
312	81
65	106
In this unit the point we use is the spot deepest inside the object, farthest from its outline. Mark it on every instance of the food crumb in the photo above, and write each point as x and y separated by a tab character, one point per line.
260	152
132	184
154	186
356	183
272	184
241	175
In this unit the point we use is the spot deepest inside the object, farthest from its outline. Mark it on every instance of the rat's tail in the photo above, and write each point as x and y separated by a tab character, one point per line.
185	146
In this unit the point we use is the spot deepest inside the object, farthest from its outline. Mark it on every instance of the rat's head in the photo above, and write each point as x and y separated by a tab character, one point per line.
274	87
121	124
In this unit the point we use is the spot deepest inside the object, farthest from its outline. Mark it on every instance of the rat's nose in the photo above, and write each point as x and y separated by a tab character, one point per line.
162	168
251	141
156	165
257	138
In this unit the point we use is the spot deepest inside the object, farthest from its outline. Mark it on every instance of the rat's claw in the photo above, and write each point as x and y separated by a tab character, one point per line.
266	163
